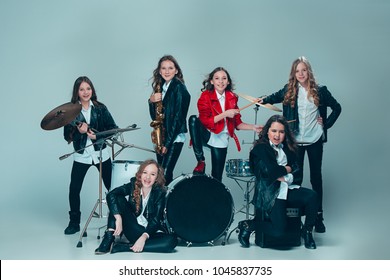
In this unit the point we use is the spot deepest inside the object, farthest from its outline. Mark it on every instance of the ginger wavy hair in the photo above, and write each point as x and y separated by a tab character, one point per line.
292	87
159	183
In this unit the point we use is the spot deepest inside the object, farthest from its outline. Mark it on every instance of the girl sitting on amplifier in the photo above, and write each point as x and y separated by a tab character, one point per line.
140	218
273	161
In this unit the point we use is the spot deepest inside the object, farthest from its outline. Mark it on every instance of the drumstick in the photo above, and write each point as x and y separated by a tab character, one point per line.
248	105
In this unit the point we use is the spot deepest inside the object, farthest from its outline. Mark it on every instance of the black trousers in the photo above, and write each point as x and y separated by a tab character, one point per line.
276	223
200	136
169	160
79	170
314	153
158	242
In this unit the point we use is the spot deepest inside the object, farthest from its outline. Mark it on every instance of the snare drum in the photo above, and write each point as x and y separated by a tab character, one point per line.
123	171
199	209
238	168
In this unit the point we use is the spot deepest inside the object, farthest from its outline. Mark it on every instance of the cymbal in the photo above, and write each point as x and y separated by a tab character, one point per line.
116	130
61	116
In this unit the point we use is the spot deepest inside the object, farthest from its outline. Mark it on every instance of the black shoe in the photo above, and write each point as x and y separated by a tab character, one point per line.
244	234
105	246
118	247
319	225
308	238
72	228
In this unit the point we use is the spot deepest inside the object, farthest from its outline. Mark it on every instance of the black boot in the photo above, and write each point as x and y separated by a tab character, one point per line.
307	236
121	247
319	225
106	244
245	231
74	223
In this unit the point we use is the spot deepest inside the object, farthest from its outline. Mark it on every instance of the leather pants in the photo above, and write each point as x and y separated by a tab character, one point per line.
200	136
169	160
157	242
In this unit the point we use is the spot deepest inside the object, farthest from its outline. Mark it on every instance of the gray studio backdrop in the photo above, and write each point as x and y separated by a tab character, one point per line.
45	45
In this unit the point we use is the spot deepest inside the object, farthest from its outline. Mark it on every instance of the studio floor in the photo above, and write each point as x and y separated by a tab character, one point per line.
43	238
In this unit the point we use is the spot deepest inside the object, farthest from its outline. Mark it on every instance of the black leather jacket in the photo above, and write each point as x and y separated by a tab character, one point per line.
262	159
176	103
154	210
326	100
101	120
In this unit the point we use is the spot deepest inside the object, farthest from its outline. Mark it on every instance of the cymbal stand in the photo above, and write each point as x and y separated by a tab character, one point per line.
256	109
98	204
250	185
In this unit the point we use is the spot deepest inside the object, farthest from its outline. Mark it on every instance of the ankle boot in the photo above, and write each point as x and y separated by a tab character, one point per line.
319	225
200	167
118	247
106	244
307	236
74	223
245	232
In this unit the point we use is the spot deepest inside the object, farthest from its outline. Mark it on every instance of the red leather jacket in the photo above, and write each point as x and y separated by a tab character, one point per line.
209	107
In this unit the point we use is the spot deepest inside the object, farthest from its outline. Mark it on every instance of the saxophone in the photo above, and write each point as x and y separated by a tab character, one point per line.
158	128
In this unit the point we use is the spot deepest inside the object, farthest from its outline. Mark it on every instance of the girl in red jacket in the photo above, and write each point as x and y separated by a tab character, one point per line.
218	117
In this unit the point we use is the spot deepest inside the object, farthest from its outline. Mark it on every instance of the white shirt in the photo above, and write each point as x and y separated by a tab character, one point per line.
141	218
90	156
309	129
282	160
180	138
220	140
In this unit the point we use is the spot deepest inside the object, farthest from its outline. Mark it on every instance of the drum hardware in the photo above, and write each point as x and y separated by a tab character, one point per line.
97	211
249	187
199	209
61	116
123	171
124	145
98	204
117	130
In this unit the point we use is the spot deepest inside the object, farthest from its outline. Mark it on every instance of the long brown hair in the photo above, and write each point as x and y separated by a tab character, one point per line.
292	91
159	183
158	80
207	85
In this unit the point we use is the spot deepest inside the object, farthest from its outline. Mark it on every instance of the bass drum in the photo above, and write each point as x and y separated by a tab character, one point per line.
123	171
199	208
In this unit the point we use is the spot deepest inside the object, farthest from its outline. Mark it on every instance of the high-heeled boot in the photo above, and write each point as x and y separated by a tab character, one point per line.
245	230
307	236
105	246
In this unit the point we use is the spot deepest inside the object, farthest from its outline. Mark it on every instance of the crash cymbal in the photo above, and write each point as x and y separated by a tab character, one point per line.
61	116
116	130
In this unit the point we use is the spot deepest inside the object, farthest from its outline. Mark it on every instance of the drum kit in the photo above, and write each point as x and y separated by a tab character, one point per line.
65	114
199	208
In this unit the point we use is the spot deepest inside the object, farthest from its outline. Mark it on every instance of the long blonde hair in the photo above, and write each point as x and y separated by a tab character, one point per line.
292	90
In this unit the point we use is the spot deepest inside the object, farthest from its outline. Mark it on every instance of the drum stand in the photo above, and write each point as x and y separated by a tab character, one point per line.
98	204
250	184
100	200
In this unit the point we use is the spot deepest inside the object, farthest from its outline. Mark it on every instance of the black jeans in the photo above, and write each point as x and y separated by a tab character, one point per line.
314	153
276	225
169	160
79	170
200	136
158	242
